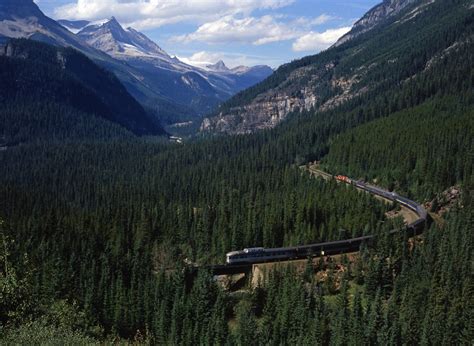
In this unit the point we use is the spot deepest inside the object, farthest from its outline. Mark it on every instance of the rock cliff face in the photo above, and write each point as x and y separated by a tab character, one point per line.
307	87
321	90
269	109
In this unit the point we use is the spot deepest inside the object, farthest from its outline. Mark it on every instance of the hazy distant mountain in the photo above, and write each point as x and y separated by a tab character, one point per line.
23	19
218	67
197	88
171	88
258	72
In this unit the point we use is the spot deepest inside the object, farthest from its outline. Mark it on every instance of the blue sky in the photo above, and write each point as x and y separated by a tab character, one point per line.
247	32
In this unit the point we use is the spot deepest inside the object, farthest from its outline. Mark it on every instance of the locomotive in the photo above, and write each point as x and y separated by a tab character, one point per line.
260	254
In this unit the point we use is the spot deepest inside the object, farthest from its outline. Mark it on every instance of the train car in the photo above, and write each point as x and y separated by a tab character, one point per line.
344	179
332	247
260	254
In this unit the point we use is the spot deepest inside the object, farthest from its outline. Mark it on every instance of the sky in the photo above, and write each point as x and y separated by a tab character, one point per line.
239	32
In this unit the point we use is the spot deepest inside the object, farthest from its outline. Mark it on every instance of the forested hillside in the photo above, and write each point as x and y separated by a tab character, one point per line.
398	49
54	93
419	151
96	232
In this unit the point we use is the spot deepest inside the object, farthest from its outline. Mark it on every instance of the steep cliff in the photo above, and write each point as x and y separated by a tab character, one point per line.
373	55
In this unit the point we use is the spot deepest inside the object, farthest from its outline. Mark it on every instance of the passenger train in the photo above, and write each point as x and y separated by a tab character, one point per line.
260	254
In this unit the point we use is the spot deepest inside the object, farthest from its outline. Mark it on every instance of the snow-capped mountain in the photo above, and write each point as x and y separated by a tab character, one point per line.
23	19
173	89
128	44
114	40
198	88
218	67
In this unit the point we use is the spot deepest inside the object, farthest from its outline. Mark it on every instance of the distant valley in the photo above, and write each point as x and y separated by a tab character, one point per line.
142	204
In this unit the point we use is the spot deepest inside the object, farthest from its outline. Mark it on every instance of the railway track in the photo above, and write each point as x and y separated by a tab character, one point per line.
242	261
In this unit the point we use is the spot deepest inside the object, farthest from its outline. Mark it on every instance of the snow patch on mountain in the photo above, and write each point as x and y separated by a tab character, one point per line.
76	26
111	38
136	48
146	69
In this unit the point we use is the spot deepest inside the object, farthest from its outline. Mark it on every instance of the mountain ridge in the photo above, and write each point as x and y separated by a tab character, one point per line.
111	38
334	76
172	94
203	89
36	75
25	20
374	17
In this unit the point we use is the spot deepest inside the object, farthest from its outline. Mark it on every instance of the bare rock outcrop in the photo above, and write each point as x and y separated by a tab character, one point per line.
312	86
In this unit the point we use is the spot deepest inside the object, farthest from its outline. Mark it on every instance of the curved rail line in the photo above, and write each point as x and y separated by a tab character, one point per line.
242	261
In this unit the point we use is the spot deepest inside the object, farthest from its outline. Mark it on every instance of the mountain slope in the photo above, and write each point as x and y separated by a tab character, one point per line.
198	89
171	89
399	47
376	16
114	40
108	225
23	19
447	122
39	76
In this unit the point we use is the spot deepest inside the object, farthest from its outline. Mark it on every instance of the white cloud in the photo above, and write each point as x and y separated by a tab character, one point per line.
309	22
264	30
219	21
316	41
204	58
147	14
322	19
250	30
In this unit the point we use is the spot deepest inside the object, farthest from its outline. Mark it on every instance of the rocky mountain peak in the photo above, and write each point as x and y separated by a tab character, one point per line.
113	20
381	12
377	15
113	24
112	38
113	27
219	66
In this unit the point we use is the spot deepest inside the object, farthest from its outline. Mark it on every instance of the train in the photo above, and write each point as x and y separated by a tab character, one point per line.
261	255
